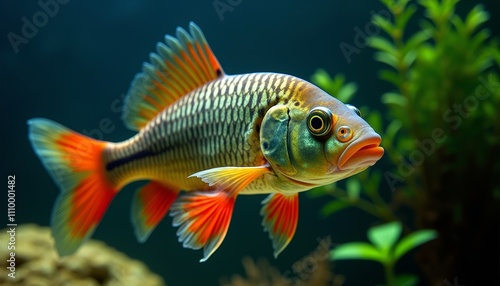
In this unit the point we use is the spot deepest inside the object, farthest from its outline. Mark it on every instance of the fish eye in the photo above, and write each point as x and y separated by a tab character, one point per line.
344	134
353	108
319	121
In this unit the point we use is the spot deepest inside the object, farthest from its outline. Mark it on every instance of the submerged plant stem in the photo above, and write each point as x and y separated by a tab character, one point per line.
377	209
389	273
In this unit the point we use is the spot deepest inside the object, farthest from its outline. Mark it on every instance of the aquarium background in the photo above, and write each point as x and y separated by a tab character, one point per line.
78	66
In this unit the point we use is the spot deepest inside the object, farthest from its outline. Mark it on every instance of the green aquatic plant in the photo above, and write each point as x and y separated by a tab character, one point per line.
440	133
386	249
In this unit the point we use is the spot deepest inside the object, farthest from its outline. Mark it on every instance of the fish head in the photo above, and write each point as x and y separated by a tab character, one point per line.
318	140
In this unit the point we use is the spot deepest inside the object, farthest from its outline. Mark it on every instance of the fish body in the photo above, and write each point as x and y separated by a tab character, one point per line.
211	137
214	126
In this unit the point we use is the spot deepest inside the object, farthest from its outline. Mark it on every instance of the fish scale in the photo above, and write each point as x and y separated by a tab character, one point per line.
186	138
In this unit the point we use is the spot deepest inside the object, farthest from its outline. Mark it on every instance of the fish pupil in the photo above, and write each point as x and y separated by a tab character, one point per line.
317	123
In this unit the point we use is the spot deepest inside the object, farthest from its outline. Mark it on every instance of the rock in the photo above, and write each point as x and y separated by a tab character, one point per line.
37	263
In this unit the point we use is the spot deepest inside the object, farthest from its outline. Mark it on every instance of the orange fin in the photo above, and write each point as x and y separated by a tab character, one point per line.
179	67
149	206
203	219
281	213
231	179
75	163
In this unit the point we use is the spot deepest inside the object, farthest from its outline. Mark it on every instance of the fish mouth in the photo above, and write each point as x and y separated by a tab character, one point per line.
364	152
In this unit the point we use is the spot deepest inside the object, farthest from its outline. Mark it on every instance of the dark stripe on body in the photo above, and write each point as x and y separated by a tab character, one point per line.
139	155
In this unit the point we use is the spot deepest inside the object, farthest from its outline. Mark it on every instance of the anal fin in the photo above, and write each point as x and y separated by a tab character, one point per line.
150	204
281	213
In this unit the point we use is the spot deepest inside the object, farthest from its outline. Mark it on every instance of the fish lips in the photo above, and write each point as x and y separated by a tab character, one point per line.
364	152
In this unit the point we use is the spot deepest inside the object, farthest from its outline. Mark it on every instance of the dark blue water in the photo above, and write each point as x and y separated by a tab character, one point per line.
75	65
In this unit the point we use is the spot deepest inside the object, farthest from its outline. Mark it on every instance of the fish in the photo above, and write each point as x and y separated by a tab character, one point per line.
203	139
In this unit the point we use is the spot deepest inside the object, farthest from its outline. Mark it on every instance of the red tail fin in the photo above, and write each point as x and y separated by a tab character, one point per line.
75	163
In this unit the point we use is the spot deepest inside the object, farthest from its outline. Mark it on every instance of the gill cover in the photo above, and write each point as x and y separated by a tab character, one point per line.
306	140
274	138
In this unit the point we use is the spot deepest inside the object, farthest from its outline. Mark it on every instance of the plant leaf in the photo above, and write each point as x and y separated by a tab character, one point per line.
385	236
375	120
406	280
392	129
346	92
383	23
357	250
402	19
316	192
413	240
322	79
333	206
417	39
475	18
394	98
432	8
406	144
391	77
386	58
459	25
409	58
382	44
353	188
373	182
427	54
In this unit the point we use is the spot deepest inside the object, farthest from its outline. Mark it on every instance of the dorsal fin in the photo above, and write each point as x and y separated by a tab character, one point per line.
182	65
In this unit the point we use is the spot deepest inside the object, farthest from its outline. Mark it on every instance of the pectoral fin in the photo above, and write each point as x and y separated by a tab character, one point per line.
281	214
231	179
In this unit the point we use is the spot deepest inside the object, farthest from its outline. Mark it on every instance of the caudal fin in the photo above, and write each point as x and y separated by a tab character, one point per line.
75	163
